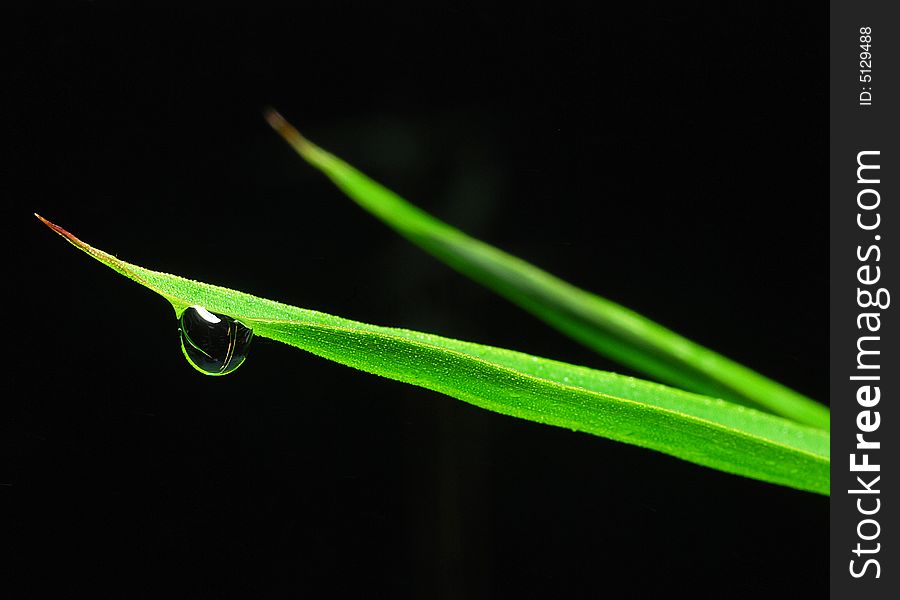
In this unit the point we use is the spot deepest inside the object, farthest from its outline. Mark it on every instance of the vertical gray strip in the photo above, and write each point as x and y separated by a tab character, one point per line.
865	363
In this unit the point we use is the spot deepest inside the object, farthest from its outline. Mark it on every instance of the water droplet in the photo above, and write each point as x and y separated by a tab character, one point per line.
214	344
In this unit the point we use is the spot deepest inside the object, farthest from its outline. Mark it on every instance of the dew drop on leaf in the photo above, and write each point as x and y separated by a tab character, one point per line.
214	344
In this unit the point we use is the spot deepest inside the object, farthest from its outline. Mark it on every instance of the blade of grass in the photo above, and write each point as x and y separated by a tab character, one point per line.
603	325
703	430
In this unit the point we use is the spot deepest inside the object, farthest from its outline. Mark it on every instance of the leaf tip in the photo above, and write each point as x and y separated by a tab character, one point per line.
285	129
57	228
70	237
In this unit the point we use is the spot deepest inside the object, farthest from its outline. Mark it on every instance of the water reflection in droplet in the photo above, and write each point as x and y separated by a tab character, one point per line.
214	344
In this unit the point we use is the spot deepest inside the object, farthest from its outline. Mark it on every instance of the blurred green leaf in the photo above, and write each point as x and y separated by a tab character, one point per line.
603	325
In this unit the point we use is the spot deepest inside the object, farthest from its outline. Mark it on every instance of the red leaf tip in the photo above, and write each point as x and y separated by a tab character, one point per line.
60	230
285	129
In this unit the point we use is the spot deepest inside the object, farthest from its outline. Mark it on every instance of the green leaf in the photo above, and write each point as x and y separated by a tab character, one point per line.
603	325
703	430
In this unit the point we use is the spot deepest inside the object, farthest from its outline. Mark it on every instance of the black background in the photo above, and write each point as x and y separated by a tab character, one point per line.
671	158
